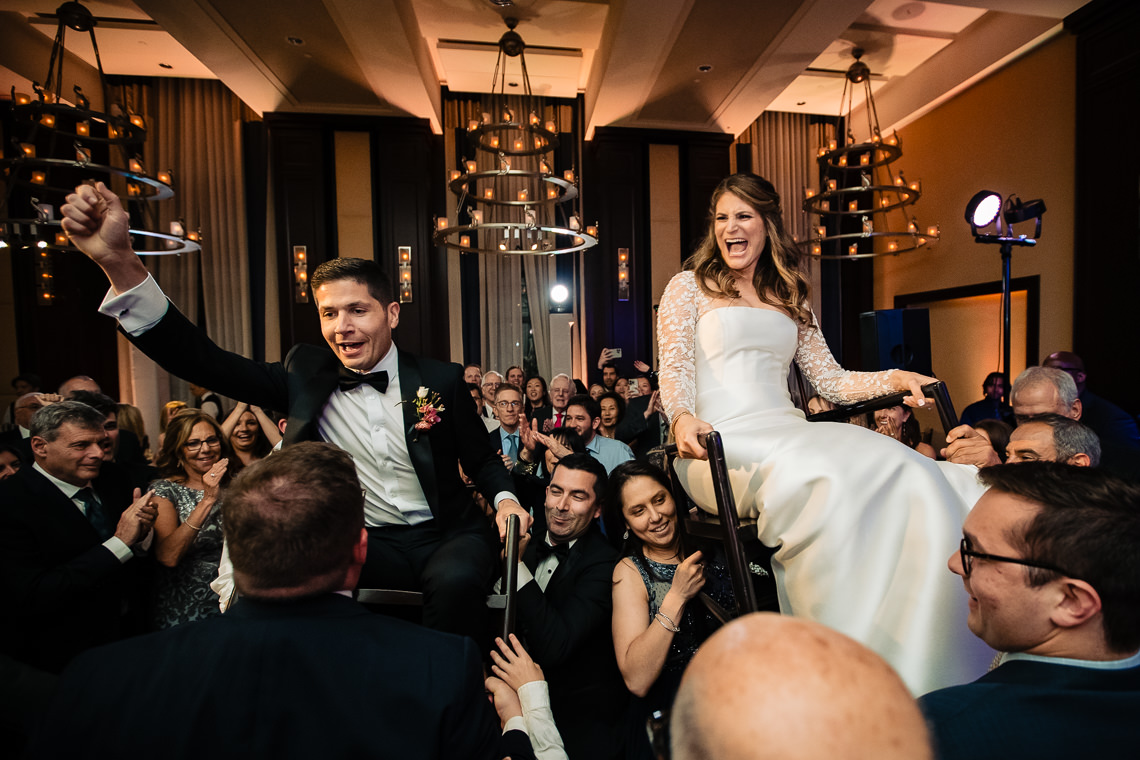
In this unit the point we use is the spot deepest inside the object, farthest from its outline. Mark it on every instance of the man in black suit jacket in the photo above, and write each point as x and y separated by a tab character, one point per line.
407	437
295	669
641	427
67	526
1051	560
564	610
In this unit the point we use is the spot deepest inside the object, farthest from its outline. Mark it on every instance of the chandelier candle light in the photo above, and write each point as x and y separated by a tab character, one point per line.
512	202
861	186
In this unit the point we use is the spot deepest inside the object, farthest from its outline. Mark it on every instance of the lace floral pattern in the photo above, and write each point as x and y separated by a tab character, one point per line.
683	304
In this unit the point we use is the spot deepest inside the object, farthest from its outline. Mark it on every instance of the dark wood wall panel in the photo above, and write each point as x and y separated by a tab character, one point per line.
405	160
1106	330
617	173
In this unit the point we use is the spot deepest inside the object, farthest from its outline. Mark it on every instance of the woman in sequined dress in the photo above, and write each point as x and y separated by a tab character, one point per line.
657	621
188	530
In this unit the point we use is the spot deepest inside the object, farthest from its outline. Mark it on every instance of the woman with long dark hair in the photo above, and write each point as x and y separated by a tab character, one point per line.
861	527
657	621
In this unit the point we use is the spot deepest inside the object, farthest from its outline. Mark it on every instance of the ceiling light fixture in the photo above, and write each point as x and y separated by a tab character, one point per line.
57	145
860	189
509	193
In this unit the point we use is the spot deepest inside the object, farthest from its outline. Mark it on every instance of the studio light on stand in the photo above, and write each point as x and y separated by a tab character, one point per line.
985	209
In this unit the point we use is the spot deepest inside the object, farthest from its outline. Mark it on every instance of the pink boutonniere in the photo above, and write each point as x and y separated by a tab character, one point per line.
428	407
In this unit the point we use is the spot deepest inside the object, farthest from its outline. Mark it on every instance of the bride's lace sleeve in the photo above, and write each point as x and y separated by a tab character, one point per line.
676	330
832	381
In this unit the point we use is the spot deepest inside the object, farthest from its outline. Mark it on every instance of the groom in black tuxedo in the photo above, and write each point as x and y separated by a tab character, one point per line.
361	393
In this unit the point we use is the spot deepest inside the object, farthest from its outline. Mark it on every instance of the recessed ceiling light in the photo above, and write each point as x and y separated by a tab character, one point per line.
704	68
295	41
165	66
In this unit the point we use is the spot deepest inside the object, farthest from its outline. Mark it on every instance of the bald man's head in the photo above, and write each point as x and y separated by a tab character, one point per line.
772	686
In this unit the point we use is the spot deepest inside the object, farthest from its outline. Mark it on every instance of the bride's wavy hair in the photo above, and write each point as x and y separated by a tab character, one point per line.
779	278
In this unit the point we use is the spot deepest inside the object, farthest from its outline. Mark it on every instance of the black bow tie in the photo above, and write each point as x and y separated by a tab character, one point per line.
544	550
347	379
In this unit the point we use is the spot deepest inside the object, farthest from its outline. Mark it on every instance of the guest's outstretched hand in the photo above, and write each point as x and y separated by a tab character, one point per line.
968	446
513	665
504	698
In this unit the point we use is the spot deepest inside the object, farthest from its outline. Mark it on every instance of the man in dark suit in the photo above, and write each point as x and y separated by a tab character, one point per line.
406	420
296	668
564	610
1051	561
506	439
643	425
67	528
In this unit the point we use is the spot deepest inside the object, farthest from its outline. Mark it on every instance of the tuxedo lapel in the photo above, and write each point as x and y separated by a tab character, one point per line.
419	446
312	379
58	514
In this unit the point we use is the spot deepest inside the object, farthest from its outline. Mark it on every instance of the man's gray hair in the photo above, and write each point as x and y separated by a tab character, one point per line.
1070	437
1059	379
47	421
563	374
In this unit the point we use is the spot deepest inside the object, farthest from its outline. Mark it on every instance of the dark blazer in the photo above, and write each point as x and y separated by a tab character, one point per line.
64	591
314	677
302	384
544	415
1118	433
639	433
567	632
1039	710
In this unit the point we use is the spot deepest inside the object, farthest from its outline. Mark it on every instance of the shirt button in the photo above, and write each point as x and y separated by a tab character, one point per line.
376	429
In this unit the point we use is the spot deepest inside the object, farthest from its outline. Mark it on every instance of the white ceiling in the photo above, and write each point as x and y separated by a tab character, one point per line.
637	62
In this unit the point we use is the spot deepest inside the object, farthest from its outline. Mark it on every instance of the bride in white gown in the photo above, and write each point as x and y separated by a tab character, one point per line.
863	524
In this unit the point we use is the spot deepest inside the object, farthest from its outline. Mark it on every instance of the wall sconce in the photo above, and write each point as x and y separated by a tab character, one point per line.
45	281
623	272
404	256
301	273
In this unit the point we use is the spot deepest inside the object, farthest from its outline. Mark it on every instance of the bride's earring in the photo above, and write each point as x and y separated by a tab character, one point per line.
625	536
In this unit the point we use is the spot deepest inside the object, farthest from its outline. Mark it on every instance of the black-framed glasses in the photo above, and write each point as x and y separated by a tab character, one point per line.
195	444
968	555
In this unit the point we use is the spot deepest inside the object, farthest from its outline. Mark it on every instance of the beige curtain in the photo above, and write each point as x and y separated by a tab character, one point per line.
500	294
539	277
194	131
783	151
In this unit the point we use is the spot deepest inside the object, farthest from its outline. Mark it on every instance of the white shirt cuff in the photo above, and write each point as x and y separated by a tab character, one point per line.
117	547
517	723
138	309
502	496
534	695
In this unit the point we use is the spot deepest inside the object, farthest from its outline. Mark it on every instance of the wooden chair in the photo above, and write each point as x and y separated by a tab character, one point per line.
505	600
936	391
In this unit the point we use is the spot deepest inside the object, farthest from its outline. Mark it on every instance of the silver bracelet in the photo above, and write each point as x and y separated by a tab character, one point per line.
671	627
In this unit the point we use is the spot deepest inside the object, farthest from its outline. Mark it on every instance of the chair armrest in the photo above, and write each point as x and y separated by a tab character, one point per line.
936	391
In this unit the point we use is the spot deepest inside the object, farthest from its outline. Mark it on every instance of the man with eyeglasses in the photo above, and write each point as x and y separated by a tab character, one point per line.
68	529
509	408
1050	558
